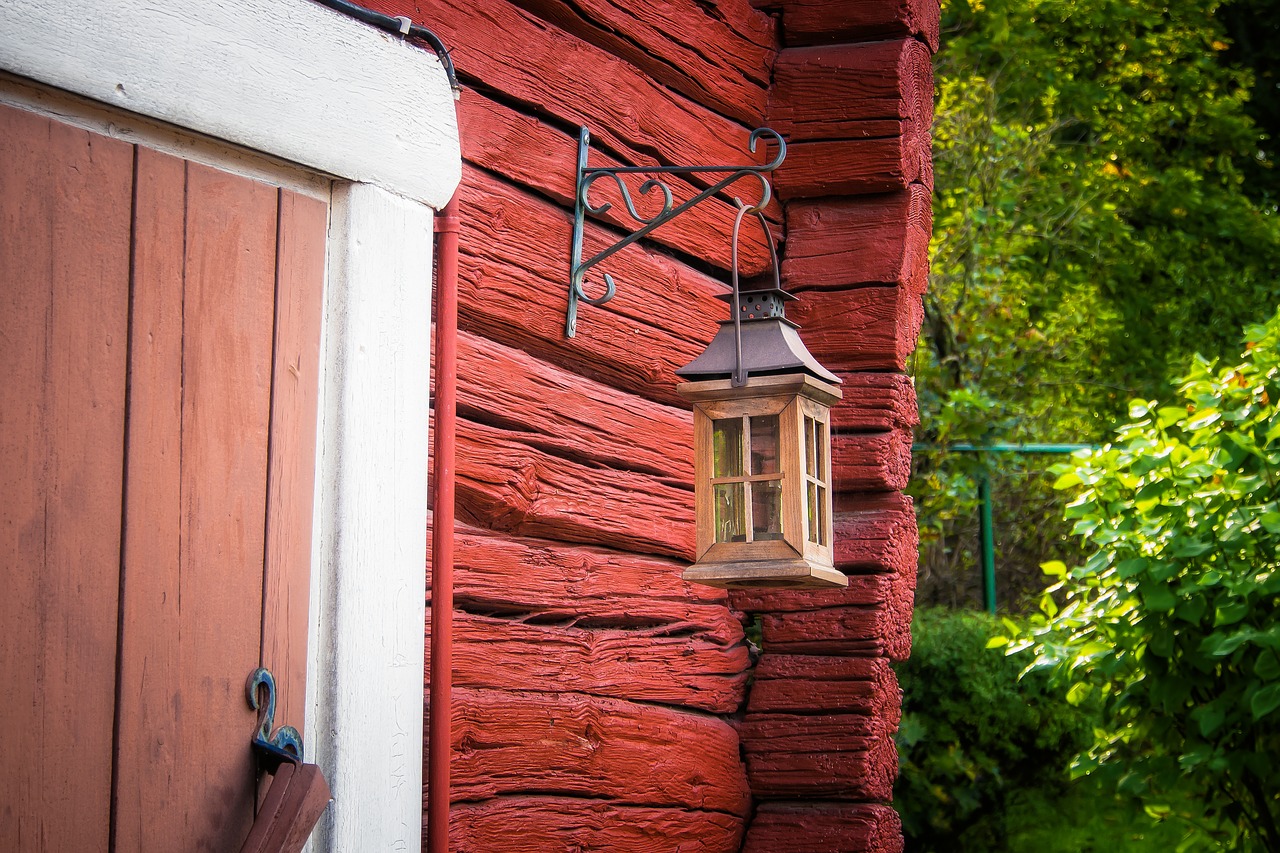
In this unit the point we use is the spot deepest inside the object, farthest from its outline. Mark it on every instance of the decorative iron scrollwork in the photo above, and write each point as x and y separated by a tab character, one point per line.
588	175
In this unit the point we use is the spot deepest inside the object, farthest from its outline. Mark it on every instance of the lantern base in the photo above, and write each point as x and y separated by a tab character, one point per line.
771	574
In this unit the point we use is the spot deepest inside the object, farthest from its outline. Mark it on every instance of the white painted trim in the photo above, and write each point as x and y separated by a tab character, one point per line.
290	79
371	523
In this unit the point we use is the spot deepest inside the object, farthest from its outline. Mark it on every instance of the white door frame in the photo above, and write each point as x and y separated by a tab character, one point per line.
301	83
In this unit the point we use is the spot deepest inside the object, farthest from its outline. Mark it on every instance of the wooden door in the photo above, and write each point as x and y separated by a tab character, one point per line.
159	335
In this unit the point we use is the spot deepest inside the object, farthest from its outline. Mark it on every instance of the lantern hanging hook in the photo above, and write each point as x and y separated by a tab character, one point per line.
739	377
588	175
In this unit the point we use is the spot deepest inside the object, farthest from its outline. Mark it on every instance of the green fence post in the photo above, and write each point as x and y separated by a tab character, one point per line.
986	542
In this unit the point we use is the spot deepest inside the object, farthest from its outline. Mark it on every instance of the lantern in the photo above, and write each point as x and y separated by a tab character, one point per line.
762	452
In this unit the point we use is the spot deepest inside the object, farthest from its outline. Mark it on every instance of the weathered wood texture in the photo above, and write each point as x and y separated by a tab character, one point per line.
529	152
823	756
64	264
565	743
840	21
871	462
880	589
883	629
876	533
509	486
541	66
691	665
295	387
867	328
824	828
875	402
852	91
803	684
858	117
722	59
204	587
855	166
836	243
513	288
563	413
540	824
619	624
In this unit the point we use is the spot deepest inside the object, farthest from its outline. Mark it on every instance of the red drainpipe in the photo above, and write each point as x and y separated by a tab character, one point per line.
438	735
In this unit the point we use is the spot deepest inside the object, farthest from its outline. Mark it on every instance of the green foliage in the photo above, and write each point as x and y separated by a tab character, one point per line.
984	755
1092	229
1173	621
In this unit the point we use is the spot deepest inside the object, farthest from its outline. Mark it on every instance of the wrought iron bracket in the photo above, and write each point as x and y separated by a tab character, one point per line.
588	175
272	750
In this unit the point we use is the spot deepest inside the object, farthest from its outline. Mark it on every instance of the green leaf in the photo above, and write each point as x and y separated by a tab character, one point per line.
997	642
1132	566
1230	614
1079	692
1054	568
1264	701
1158	597
1267	666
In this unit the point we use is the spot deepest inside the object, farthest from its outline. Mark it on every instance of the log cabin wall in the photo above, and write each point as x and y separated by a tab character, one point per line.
853	95
600	703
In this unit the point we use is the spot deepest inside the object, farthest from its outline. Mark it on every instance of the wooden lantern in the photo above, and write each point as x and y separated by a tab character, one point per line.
762	445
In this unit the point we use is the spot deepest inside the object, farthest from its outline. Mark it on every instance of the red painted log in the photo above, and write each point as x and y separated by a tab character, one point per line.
868	328
876	240
871	461
806	684
533	154
875	401
504	484
847	167
680	664
560	412
544	824
807	22
852	91
876	533
553	71
840	756
720	56
878	631
569	744
881	589
513	288
824	828
537	575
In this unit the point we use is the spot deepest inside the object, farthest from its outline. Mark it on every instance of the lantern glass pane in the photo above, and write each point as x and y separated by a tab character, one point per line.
819	450
810	452
822	517
764	444
766	510
726	449
813	516
731	512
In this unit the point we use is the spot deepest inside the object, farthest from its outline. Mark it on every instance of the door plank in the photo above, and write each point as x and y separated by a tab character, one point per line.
150	751
295	386
64	267
226	375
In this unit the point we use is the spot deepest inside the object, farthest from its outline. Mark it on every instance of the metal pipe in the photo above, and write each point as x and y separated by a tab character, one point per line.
1004	448
439	735
986	542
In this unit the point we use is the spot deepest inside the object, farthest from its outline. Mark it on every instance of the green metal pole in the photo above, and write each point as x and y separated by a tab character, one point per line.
986	541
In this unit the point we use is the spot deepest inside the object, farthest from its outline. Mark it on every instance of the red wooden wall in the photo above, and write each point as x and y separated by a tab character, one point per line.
602	704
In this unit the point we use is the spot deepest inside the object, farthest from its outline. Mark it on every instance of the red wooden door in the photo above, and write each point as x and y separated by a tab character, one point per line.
159	330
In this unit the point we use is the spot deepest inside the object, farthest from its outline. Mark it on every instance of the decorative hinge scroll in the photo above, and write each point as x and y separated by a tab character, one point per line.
285	745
